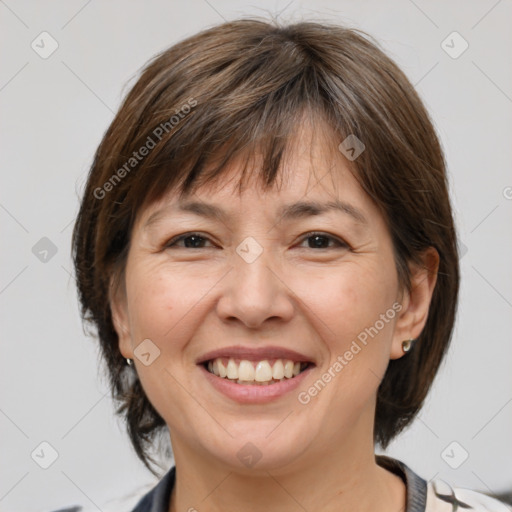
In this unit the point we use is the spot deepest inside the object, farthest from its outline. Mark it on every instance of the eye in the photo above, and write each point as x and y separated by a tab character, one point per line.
319	240
196	241
192	240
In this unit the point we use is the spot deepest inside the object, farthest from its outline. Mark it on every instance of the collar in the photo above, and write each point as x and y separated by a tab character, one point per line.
416	486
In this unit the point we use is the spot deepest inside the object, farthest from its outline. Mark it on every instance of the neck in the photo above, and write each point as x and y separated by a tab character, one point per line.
334	479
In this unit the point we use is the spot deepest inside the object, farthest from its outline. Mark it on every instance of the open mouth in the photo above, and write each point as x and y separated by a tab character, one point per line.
255	373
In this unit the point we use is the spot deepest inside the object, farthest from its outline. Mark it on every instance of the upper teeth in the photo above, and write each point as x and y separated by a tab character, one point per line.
255	371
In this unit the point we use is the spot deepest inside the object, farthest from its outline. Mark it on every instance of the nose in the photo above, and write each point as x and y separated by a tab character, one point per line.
255	292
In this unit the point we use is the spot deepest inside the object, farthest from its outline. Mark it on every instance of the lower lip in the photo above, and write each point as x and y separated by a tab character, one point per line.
254	393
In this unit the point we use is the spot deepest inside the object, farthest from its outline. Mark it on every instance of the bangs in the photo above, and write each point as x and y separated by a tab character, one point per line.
195	114
258	139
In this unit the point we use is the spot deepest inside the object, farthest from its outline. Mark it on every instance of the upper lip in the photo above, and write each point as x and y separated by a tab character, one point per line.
255	354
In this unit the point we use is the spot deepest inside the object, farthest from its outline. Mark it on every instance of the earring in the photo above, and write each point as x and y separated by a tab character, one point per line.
129	362
407	345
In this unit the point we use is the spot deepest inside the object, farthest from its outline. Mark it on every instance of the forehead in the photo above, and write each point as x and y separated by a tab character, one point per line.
313	172
296	200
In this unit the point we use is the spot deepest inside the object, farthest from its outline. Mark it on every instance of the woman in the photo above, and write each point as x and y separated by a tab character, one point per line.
267	250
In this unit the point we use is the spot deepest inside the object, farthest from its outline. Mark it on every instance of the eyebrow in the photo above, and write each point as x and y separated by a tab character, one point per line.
300	209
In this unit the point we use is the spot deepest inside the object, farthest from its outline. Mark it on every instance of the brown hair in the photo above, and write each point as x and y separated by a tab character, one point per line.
240	87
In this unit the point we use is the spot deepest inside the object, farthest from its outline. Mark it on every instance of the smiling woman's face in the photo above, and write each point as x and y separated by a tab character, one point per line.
255	285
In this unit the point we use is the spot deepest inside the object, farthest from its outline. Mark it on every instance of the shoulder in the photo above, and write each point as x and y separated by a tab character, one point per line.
442	497
438	495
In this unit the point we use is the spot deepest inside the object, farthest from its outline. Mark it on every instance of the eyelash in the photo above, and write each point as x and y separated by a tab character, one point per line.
172	243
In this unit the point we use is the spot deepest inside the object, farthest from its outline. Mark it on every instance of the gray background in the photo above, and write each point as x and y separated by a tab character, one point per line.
54	112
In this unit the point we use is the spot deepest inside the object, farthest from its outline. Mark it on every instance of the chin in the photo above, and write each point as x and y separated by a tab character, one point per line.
258	445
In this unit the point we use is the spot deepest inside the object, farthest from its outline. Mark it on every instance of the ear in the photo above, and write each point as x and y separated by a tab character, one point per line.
120	317
415	304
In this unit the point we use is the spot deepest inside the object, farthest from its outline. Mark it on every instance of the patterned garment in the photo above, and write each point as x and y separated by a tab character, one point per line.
434	496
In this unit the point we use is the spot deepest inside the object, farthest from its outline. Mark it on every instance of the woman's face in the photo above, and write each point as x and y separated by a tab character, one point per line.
251	289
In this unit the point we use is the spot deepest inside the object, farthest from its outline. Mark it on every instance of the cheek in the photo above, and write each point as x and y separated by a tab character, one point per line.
350	300
365	324
156	302
151	303
161	304
167	303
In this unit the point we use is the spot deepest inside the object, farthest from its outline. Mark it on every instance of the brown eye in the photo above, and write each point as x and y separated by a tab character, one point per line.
191	240
321	241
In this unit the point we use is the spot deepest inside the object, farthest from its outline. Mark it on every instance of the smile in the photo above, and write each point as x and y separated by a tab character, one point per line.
262	373
255	375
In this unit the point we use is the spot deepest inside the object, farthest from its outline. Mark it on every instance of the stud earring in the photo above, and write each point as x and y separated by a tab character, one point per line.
407	345
129	362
